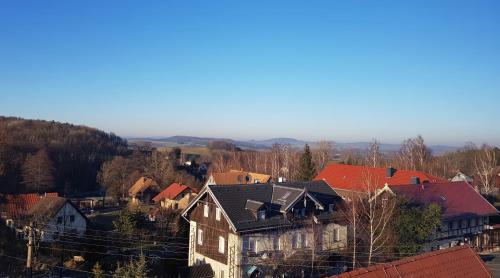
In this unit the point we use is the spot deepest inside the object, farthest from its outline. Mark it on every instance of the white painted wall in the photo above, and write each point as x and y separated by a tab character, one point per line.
79	224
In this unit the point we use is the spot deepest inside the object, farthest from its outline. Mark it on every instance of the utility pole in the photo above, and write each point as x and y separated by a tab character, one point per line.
30	251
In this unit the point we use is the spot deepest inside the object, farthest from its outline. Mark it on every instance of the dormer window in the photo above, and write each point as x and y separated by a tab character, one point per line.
261	214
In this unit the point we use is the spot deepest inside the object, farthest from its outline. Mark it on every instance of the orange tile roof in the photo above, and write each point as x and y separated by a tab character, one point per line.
240	177
353	178
17	206
171	192
455	262
141	185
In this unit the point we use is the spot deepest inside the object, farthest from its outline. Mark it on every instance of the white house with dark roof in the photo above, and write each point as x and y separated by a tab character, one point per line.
55	216
247	230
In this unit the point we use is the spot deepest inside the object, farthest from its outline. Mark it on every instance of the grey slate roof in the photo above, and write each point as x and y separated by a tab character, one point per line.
234	200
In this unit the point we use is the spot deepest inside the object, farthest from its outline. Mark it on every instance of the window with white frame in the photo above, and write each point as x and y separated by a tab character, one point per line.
222	273
217	214
200	237
221	245
205	210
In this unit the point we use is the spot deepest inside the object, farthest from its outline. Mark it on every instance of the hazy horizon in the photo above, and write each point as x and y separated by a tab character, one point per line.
342	71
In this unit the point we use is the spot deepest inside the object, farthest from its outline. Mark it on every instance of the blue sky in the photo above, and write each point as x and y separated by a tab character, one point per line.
340	70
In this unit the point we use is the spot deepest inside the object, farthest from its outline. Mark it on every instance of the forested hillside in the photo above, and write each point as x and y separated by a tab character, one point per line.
38	155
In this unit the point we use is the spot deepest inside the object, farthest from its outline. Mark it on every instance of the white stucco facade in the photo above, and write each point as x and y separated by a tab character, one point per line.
68	219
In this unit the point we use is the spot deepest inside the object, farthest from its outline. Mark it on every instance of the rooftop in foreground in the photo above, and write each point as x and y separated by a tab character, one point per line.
456	262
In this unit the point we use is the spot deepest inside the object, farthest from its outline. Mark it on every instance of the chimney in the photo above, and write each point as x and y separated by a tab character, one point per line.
390	172
415	180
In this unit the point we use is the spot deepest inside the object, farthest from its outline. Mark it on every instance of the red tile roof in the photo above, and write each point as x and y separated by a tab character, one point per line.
456	262
353	178
171	192
458	199
17	206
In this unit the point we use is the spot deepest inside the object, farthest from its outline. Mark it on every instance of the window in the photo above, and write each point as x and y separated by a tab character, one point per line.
71	218
252	245
217	214
305	242
59	220
336	235
297	241
200	237
480	220
276	243
221	244
205	210
303	212
261	214
221	274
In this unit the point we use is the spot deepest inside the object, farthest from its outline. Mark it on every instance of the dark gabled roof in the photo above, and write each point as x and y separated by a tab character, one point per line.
285	196
234	201
456	262
457	199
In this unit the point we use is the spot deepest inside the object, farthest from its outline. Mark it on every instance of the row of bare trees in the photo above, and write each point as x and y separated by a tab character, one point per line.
477	162
280	161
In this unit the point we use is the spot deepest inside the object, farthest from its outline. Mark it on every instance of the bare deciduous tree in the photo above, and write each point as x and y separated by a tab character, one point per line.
322	154
350	211
377	214
114	176
484	165
38	171
374	156
414	154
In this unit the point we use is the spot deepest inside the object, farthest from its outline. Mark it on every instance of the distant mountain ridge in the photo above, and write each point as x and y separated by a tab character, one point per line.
178	141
